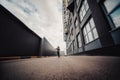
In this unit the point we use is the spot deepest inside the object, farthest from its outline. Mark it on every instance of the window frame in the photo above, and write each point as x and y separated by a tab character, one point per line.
79	41
86	33
108	15
83	10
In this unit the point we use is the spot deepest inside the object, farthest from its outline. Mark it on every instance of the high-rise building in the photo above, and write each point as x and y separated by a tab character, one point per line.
65	17
93	27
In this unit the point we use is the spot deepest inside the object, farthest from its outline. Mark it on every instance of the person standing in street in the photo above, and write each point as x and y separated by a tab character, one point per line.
58	51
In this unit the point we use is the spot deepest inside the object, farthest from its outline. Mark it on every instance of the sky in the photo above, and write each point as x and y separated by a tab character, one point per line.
44	17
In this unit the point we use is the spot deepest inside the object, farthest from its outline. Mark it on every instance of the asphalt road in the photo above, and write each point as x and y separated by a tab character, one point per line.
64	68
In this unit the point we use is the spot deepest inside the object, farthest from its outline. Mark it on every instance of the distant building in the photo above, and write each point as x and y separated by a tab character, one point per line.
92	27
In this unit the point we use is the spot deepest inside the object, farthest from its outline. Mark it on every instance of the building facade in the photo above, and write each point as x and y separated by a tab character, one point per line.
65	17
93	27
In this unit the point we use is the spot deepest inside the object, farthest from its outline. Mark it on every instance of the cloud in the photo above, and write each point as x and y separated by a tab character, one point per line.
44	17
25	5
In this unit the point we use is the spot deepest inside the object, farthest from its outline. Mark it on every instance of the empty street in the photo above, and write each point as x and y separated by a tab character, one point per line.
63	68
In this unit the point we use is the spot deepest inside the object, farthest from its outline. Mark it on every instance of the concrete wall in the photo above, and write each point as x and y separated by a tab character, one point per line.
47	49
15	38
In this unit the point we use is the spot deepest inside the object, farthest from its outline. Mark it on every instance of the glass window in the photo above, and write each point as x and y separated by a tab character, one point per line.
90	36
83	9
92	23
88	27
113	11
83	13
81	17
111	4
90	32
86	5
86	39
84	31
95	34
116	17
79	40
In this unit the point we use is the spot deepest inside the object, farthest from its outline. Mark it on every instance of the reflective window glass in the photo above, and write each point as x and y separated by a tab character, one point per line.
90	36
83	9
92	23
113	11
81	17
88	27
84	12
116	17
95	34
90	32
86	5
84	30
86	39
111	4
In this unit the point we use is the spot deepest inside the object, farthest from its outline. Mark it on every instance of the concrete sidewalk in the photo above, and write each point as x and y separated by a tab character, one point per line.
64	68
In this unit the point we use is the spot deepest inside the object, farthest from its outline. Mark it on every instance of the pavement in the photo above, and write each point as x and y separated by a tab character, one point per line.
63	68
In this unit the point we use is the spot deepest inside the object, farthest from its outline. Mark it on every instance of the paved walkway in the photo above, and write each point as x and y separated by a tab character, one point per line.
64	68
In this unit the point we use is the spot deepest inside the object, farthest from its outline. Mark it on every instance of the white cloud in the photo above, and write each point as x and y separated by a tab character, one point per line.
44	17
